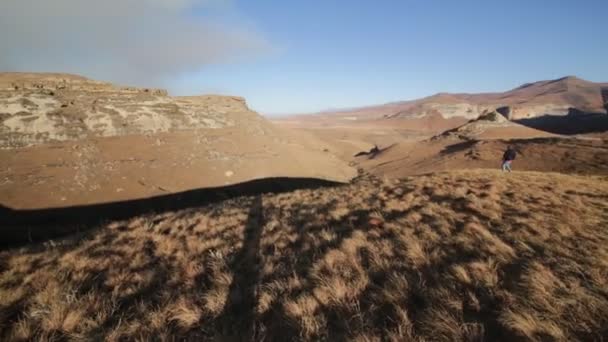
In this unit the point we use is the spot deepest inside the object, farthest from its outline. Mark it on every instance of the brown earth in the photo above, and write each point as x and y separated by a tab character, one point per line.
102	170
480	143
551	100
565	155
347	138
476	143
569	105
199	251
67	141
471	255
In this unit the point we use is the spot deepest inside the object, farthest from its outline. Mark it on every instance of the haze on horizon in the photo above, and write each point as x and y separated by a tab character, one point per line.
295	57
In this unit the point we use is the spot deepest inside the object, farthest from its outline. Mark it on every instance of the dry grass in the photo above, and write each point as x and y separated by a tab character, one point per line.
472	255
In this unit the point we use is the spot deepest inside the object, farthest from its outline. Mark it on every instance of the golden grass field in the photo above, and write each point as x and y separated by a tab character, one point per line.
468	255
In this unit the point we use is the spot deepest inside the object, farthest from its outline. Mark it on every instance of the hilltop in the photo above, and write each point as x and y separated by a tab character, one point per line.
472	255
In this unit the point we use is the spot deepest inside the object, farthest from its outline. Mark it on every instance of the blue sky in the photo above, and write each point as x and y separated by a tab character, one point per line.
306	56
330	54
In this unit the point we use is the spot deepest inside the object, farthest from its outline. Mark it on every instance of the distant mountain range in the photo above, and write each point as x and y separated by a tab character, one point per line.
530	100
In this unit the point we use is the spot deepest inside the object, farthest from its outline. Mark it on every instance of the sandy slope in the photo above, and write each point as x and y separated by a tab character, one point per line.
67	140
351	131
129	167
567	155
346	138
480	144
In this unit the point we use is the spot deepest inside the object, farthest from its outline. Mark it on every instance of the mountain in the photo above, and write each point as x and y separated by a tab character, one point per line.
529	100
184	224
565	106
67	140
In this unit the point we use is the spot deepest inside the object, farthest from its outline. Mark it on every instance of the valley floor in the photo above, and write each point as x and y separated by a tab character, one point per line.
467	255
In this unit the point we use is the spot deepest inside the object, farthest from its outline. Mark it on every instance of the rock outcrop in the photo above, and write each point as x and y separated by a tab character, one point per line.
66	140
51	108
476	126
489	121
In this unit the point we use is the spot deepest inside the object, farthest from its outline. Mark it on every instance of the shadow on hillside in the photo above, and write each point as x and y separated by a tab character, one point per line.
374	152
574	123
458	147
302	256
238	315
310	249
22	226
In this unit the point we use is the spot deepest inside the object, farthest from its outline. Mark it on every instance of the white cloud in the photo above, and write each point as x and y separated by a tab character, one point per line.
139	42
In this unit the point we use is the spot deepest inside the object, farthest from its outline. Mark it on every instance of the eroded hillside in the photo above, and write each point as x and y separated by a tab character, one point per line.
450	152
42	108
66	140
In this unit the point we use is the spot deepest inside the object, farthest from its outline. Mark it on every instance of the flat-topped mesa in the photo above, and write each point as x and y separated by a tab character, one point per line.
42	108
64	82
220	103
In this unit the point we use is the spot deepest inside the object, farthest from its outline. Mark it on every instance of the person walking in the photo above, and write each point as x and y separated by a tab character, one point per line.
507	159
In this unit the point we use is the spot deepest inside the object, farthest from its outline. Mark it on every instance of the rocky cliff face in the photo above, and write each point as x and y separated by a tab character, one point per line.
37	109
66	140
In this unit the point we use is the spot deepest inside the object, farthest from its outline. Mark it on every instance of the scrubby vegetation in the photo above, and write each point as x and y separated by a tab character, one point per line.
471	255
